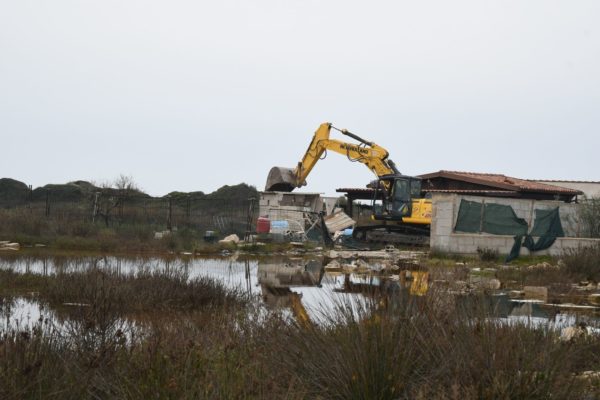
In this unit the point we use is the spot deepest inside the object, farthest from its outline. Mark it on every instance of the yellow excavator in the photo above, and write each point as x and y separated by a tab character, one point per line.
399	213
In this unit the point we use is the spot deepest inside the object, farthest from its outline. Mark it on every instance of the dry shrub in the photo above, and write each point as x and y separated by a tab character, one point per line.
583	262
432	348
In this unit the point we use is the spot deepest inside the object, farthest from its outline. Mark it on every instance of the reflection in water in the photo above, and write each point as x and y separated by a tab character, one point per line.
299	285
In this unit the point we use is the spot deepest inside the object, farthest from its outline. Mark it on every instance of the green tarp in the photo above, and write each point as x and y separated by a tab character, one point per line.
502	220
547	227
469	217
547	222
497	219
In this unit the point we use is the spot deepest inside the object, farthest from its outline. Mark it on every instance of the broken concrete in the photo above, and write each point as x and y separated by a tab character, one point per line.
8	246
231	239
536	293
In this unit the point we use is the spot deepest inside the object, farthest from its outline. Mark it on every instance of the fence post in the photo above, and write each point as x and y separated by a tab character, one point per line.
47	211
170	214
95	211
188	211
249	219
30	197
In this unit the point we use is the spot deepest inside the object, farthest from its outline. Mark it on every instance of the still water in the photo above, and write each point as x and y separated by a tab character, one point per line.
279	282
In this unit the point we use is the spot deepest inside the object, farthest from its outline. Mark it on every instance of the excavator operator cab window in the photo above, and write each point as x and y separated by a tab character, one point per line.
399	196
415	188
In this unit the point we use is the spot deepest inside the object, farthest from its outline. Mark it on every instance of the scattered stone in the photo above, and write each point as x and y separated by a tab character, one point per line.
492	284
589	375
333	266
186	253
516	294
485	283
460	285
8	246
441	282
542	266
573	333
230	239
39	245
536	293
594	299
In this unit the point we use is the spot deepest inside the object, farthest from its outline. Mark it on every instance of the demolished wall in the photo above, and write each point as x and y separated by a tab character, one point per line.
445	238
292	207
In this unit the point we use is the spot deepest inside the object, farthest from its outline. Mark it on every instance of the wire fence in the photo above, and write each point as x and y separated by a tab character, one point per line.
113	209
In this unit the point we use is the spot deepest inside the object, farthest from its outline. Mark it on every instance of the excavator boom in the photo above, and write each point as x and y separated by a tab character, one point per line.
372	155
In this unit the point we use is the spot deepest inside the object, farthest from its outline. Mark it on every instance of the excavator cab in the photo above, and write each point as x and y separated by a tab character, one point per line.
397	193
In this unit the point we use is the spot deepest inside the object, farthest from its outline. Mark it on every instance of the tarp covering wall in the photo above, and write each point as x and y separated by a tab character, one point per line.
547	227
495	219
501	220
469	217
498	219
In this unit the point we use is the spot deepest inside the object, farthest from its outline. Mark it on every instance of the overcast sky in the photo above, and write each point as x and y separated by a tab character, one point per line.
191	95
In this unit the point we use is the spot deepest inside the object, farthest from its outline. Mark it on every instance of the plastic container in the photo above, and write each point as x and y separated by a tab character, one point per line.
263	225
210	237
280	226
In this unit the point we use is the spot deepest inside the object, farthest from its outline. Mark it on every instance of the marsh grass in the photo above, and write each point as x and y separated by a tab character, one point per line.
424	348
195	340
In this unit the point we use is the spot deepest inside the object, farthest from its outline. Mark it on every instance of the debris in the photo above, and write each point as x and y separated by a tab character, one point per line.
516	294
542	266
160	235
396	255
9	246
77	304
536	293
338	222
230	239
594	299
589	375
333	266
572	333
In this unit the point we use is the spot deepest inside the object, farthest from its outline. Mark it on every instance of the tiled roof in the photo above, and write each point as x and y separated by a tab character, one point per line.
470	191
501	182
561	181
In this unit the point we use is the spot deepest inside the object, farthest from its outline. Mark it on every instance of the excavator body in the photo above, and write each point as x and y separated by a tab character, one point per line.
397	203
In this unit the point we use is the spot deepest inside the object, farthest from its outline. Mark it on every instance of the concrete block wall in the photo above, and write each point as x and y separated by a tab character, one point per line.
270	206
445	211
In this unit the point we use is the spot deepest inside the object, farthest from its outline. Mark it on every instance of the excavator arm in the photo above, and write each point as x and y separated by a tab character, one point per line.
372	155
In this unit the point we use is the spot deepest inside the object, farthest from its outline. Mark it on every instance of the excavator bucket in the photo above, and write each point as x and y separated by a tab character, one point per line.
281	180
